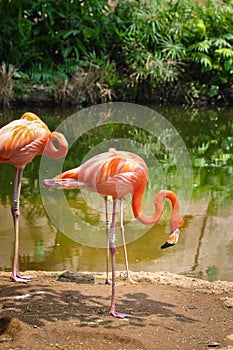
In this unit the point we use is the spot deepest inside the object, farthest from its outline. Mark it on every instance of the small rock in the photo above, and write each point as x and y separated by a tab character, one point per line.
230	337
192	307
228	303
98	320
213	344
84	278
18	297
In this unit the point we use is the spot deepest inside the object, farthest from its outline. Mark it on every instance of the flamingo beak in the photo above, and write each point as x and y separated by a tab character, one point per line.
173	239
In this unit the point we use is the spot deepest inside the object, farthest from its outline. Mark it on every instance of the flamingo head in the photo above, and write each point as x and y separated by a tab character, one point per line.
173	239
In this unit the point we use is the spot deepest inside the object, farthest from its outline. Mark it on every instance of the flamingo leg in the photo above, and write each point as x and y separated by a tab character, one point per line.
128	277
16	276
112	247
107	226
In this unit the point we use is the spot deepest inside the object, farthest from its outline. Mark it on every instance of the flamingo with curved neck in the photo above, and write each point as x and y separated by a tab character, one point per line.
117	173
20	141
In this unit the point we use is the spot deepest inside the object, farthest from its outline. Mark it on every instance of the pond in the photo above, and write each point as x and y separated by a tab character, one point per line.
205	248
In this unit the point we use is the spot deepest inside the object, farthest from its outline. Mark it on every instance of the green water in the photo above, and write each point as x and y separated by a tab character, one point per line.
205	249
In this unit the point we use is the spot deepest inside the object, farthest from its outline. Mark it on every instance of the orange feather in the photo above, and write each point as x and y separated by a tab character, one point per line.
117	173
21	140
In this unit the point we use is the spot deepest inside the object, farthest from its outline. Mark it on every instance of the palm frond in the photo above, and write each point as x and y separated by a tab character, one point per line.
172	49
220	42
202	59
225	52
201	46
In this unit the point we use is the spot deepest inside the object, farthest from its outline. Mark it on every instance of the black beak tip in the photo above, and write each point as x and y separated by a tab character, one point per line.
166	245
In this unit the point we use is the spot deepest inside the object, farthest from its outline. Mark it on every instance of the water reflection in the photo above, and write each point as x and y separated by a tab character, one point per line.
205	249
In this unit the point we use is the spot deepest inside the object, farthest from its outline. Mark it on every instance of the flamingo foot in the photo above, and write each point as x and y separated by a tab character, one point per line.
113	313
107	281
130	280
20	278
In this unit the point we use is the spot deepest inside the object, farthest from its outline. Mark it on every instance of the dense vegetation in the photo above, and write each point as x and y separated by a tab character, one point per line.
84	52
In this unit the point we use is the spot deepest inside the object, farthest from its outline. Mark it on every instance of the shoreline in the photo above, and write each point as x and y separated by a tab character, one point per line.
160	277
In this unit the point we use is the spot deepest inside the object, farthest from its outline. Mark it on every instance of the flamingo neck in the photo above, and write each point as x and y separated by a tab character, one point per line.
58	149
175	219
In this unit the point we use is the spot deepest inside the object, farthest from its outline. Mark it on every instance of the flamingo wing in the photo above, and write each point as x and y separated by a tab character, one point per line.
21	140
111	174
118	185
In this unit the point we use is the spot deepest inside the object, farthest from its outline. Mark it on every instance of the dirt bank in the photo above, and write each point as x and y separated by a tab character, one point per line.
167	312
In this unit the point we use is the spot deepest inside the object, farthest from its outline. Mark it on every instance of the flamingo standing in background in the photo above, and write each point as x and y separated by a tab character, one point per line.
117	173
20	141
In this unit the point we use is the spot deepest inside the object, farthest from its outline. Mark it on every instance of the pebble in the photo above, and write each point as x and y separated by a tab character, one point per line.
77	277
213	344
228	303
230	337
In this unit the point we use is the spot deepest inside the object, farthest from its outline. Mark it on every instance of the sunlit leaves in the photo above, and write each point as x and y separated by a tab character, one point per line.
202	58
221	42
201	46
225	52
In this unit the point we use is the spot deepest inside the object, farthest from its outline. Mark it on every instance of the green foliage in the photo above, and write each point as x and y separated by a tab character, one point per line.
145	47
47	36
178	41
149	50
92	82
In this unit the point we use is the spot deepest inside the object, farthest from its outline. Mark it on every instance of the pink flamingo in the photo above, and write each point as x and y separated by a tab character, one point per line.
117	173
20	141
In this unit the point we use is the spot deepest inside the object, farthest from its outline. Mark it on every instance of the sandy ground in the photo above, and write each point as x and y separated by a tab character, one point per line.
166	312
